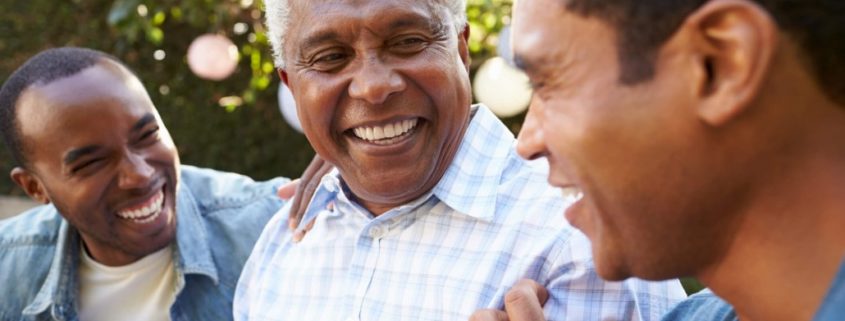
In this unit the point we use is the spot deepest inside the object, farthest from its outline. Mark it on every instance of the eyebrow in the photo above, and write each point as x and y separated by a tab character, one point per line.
433	25
318	38
77	153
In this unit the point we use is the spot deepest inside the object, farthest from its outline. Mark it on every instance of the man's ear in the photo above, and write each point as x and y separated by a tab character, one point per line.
736	41
30	184
463	46
284	76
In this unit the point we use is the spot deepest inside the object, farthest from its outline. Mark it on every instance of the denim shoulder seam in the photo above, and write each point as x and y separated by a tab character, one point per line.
28	240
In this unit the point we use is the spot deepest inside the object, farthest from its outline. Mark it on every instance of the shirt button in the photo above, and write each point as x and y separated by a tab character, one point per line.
378	231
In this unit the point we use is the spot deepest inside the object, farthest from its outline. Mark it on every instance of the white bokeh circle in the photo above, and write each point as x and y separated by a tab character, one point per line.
287	105
503	88
212	57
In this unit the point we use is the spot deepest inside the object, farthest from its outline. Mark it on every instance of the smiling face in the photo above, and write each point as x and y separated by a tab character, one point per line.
99	152
382	91
637	153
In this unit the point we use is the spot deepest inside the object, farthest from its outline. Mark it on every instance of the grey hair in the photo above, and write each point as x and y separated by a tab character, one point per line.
277	13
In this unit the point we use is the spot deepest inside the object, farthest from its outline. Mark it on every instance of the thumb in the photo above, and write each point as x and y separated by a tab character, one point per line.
524	302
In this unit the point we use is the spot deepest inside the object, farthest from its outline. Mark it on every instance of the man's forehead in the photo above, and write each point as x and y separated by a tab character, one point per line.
103	78
539	34
379	13
69	99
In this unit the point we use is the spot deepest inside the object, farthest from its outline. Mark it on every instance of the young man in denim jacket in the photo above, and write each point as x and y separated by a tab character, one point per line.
127	233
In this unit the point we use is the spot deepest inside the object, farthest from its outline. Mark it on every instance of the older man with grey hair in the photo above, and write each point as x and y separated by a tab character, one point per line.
435	215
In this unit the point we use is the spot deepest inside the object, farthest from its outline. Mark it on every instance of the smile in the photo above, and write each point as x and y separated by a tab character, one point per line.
145	212
571	194
385	134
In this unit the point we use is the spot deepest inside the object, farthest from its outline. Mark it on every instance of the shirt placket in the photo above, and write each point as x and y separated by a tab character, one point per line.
368	252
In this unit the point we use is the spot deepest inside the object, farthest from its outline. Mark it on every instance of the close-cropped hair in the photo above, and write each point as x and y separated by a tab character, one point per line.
817	26
45	67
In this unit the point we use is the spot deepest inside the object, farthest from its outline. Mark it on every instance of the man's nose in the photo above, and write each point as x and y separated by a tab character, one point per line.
530	142
374	81
135	172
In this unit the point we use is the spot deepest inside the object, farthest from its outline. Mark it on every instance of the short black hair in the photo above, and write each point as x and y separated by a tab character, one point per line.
43	68
817	26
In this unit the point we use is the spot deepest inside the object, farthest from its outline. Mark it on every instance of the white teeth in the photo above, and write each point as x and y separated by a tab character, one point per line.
388	131
572	194
148	212
385	132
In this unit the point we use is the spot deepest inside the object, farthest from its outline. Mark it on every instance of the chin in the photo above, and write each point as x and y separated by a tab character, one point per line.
610	273
616	269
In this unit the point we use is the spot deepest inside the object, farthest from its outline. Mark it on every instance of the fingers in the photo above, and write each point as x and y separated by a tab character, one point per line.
525	300
298	235
489	315
287	191
309	183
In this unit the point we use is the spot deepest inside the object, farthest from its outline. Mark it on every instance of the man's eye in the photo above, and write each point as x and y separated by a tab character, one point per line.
87	164
535	86
330	57
329	60
149	135
409	41
409	44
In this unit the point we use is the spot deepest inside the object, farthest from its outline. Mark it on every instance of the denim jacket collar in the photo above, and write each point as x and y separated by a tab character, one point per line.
192	256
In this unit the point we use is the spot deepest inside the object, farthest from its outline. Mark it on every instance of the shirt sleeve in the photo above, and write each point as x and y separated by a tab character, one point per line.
251	283
576	292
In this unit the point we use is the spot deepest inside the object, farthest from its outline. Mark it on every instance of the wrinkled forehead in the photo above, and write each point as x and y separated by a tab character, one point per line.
342	8
348	16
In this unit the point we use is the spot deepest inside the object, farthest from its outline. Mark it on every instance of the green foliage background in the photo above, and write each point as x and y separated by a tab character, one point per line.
250	138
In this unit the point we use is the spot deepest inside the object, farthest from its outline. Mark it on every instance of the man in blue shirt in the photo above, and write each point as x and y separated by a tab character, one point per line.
127	233
434	215
705	140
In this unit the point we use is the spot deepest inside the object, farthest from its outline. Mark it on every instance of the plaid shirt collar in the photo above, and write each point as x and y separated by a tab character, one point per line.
479	162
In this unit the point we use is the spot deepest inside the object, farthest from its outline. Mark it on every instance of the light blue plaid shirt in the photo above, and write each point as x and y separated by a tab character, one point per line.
491	220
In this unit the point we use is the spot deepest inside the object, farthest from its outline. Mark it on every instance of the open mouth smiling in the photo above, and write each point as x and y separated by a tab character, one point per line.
146	211
386	134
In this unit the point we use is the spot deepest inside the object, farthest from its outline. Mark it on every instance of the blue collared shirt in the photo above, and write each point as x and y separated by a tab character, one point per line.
706	306
702	306
833	306
490	221
219	217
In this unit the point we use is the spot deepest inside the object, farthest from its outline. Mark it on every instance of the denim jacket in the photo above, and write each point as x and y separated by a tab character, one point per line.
219	218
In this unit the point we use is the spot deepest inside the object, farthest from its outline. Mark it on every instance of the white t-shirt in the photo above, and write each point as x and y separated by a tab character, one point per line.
141	291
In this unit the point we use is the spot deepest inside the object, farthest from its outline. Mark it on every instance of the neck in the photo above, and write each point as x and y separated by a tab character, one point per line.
790	244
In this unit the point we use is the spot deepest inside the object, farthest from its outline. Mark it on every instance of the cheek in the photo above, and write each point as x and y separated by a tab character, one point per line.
165	152
82	204
437	71
317	100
